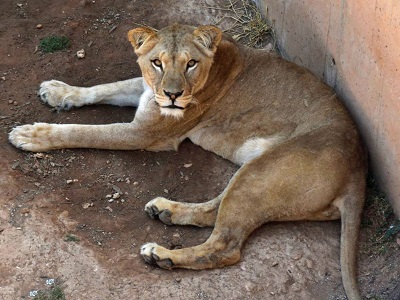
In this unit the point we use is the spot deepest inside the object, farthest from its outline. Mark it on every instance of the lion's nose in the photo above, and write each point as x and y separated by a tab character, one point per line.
173	96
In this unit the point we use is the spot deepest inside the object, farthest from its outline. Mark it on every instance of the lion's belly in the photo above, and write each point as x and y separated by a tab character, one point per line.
253	148
232	147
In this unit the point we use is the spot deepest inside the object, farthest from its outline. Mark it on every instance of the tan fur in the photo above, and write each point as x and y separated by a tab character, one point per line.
301	156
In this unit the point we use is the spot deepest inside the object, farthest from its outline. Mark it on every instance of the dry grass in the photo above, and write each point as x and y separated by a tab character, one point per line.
247	24
379	220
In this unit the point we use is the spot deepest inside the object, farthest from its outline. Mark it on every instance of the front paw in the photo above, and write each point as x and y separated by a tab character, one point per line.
34	137
58	94
152	254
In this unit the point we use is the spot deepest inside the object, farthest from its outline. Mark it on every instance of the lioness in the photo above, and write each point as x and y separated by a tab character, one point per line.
300	154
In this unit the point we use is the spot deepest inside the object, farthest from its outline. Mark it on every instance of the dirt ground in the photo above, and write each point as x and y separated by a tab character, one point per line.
56	217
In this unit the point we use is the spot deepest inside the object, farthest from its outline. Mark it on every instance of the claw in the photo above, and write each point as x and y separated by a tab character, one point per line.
152	211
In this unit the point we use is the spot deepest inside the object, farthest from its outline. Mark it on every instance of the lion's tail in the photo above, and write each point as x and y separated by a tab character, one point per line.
351	213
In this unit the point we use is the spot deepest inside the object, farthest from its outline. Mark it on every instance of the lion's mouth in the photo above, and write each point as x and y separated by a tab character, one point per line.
173	106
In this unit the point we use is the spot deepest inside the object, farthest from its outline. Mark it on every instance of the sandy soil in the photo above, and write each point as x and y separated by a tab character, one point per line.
55	218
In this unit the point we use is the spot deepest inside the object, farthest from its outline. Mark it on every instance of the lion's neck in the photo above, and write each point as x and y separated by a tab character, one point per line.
228	63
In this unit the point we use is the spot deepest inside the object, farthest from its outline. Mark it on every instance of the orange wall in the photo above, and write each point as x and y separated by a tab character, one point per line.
354	46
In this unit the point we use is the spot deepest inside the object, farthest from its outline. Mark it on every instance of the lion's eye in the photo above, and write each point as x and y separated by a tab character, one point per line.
191	63
157	63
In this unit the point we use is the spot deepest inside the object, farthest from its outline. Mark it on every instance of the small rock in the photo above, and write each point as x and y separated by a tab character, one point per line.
249	286
136	183
38	155
166	191
110	200
69	181
178	280
122	200
309	264
176	235
39	26
87	205
80	53
3	78
33	293
10	101
15	102
108	208
116	188
187	165
116	195
275	263
25	211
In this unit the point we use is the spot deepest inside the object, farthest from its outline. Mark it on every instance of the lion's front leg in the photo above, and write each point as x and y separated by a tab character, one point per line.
43	136
63	96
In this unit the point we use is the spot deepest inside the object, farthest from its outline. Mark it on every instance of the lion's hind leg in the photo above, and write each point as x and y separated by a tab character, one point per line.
63	96
171	212
231	229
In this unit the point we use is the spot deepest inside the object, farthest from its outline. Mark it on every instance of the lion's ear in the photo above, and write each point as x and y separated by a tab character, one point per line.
208	37
142	39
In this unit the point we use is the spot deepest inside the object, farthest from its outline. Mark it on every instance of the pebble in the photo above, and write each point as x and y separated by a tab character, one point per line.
109	209
187	165
3	78
10	101
309	264
25	211
166	191
87	205
80	53
136	183
38	155
249	286
39	26
176	235
116	195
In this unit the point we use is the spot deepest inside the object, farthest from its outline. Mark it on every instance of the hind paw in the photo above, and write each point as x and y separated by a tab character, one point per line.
152	254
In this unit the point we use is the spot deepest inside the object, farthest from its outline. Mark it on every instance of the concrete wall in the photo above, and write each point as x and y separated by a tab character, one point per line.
354	46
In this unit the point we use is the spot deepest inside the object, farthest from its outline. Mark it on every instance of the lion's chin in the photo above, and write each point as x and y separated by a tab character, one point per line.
172	112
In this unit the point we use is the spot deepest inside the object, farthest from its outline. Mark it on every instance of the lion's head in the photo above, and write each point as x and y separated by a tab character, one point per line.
175	62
